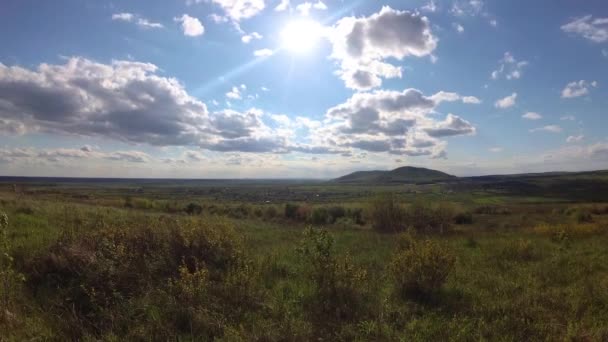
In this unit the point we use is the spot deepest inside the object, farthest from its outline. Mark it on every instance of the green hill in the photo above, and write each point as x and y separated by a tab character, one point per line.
405	174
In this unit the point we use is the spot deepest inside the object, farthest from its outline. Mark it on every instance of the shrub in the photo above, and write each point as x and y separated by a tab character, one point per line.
492	210
303	212
464	218
339	286
356	215
518	250
387	214
270	213
419	268
319	216
336	213
583	216
425	218
9	278
291	211
193	209
89	277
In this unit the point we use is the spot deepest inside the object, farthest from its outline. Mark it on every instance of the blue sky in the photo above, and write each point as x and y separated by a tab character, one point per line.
259	88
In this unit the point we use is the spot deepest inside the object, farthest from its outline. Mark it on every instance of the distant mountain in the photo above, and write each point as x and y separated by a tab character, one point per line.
405	174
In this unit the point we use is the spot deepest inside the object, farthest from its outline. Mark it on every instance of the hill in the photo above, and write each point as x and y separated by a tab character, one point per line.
405	174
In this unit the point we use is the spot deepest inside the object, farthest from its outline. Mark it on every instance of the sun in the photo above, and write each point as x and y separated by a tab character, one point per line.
301	36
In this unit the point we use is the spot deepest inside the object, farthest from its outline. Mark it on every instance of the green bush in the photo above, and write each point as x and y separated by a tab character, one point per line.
335	213
583	216
464	218
90	277
193	209
339	286
387	214
425	218
270	213
319	216
356	214
419	268
291	211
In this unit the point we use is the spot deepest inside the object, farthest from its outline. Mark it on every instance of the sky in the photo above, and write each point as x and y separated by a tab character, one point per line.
301	88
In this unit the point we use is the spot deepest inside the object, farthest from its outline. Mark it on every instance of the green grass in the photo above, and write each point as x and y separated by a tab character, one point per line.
511	280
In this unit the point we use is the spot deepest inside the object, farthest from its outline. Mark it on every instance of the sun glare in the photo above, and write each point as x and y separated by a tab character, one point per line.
301	36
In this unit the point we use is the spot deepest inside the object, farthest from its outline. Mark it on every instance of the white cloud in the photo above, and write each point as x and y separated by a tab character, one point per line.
388	121
249	37
575	138
238	10
123	16
282	6
320	5
576	89
218	19
494	22
127	102
471	100
191	26
234	93
495	149
549	128
361	45
467	8
568	118
532	116
509	67
429	7
506	102
458	27
605	53
305	7
263	53
595	30
452	125
139	21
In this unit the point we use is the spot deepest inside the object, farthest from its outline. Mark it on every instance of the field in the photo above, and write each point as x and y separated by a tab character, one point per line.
505	258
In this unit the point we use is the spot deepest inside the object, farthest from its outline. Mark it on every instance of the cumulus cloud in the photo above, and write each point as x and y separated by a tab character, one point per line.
66	154
576	89
361	45
389	121
593	29
138	20
549	128
509	68
452	125
263	53
506	102
191	26
568	118
125	101
249	37
532	116
238	10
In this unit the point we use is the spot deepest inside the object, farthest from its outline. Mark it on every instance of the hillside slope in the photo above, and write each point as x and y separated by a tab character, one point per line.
405	174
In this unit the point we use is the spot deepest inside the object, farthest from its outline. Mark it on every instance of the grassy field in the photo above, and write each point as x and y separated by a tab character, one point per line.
302	261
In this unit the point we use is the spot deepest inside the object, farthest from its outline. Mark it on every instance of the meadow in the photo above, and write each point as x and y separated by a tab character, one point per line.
496	259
